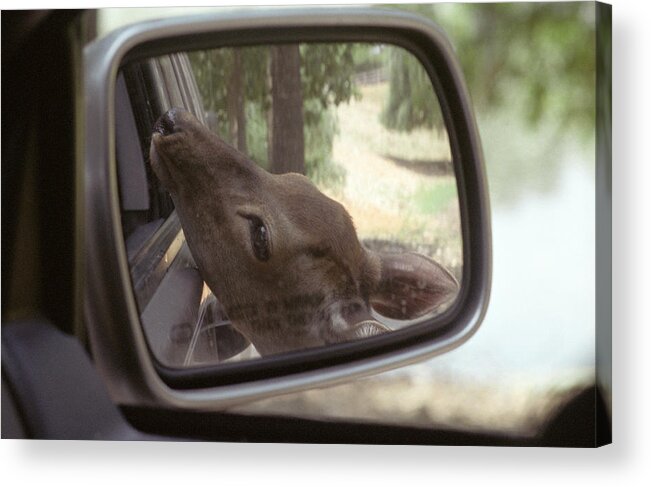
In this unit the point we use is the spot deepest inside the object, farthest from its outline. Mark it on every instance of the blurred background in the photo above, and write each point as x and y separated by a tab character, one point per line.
530	70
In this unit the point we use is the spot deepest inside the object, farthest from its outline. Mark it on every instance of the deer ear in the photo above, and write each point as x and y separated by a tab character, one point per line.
411	285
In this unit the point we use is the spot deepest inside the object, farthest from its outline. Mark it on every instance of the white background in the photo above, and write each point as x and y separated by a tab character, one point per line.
626	462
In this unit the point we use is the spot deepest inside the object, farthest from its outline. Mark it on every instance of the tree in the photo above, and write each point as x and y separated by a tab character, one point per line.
286	100
494	43
411	101
287	147
228	80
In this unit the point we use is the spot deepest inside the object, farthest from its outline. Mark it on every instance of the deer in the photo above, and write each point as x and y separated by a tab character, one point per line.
283	258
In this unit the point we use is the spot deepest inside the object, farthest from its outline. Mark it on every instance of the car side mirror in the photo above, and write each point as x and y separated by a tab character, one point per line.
215	274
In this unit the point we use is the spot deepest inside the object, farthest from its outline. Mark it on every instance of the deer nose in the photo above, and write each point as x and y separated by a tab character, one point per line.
166	123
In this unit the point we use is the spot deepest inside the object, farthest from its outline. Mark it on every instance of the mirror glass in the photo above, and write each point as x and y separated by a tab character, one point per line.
276	198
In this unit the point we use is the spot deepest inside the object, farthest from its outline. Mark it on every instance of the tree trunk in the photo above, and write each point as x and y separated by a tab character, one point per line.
287	144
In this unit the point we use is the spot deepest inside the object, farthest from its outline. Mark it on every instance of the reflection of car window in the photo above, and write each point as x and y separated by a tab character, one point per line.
182	320
144	92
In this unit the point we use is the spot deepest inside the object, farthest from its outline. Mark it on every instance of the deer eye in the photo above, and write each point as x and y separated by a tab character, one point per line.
259	239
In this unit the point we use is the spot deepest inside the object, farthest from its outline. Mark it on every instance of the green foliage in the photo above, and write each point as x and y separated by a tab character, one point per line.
411	102
327	72
433	198
213	69
319	136
327	80
256	134
367	57
538	56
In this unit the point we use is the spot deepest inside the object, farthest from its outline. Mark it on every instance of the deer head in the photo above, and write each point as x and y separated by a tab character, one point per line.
283	258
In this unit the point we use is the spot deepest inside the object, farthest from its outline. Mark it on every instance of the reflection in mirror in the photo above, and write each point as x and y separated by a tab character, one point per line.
283	197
